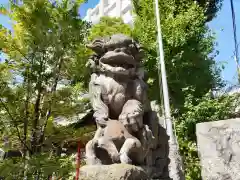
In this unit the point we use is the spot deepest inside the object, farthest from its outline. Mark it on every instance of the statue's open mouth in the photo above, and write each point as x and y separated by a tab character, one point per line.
118	62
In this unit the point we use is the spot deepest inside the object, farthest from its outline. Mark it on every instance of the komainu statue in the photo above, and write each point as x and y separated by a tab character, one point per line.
127	128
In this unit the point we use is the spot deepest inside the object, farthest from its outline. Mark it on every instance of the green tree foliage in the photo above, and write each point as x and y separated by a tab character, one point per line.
188	47
109	26
211	7
36	83
62	166
200	110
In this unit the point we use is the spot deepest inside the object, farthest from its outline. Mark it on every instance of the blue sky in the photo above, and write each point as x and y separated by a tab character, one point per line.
221	25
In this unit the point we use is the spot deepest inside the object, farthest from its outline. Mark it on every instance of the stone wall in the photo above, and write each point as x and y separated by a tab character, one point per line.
219	149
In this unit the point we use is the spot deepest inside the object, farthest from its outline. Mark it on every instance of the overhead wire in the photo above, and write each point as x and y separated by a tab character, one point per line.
236	55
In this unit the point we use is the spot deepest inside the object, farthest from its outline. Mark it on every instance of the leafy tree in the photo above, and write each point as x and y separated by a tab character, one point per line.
109	26
36	77
211	7
10	168
188	47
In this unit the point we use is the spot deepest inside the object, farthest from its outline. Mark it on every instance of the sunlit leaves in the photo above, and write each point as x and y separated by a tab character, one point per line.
114	26
37	83
187	45
43	165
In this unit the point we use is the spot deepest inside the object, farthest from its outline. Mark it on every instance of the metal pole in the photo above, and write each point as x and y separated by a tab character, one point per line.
175	166
164	77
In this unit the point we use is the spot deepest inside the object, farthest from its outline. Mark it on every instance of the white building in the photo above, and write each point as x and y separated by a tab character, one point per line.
111	8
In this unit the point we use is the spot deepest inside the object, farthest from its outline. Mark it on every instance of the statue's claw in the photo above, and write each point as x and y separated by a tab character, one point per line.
116	158
125	159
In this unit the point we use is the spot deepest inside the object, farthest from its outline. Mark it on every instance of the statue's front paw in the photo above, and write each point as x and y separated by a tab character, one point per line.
125	159
116	158
93	161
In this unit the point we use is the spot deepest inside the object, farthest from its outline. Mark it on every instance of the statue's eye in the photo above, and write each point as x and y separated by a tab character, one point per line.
117	50
110	49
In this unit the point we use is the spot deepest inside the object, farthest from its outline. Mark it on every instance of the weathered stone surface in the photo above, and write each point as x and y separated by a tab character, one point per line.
113	172
129	129
219	149
118	94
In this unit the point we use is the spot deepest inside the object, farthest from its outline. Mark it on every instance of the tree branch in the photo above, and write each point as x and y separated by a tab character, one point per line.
54	87
15	125
37	104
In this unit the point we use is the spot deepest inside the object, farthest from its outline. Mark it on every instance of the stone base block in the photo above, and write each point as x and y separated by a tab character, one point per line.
114	172
219	149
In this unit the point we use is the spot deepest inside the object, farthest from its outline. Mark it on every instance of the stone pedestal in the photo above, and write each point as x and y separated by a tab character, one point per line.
113	172
120	172
219	149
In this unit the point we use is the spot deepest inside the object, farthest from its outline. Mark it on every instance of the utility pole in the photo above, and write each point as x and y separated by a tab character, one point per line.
236	56
175	166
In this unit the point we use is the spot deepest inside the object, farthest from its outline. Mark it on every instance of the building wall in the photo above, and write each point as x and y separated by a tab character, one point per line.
111	8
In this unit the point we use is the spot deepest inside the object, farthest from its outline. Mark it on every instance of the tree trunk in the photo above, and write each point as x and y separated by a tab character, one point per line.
53	90
34	144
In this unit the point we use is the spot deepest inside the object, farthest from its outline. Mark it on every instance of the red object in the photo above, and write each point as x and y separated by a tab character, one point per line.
78	160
